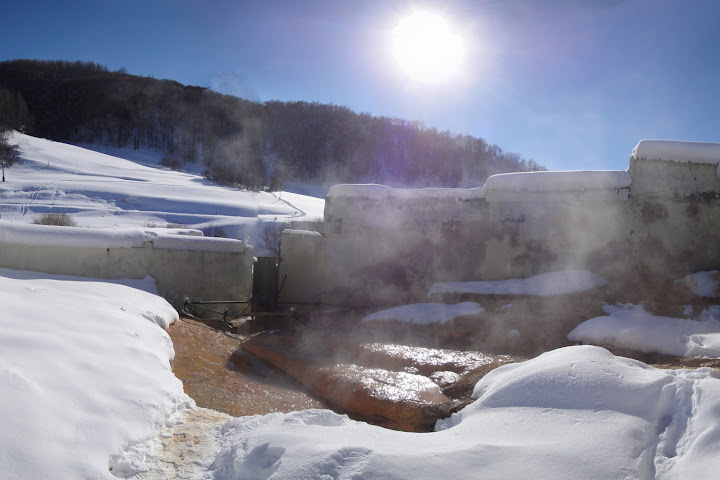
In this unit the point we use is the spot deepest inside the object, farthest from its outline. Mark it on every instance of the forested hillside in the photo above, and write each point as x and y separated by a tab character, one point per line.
239	141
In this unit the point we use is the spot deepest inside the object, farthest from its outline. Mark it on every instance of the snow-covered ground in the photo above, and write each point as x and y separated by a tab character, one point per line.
84	373
101	190
86	389
630	326
87	392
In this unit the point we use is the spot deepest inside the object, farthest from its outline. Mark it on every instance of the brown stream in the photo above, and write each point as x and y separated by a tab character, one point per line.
218	374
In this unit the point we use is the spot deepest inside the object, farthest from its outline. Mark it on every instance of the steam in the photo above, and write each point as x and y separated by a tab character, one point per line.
236	84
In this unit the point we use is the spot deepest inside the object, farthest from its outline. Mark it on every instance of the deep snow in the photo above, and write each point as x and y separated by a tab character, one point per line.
576	412
84	373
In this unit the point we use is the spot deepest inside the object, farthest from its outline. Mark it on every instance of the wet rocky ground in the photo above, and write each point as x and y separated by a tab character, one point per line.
314	364
395	375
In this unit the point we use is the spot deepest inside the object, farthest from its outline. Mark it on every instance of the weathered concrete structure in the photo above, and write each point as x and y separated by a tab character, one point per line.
382	245
182	265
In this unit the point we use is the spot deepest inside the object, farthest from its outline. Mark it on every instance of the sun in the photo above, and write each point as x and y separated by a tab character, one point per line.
426	49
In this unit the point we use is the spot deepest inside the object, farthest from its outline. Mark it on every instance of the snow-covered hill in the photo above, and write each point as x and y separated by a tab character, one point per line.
101	190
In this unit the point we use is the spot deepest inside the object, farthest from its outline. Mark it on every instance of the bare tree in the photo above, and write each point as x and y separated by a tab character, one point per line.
270	238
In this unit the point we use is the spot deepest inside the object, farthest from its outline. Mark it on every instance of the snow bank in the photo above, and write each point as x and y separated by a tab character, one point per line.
383	192
569	181
46	235
675	151
703	284
546	284
425	313
577	412
84	374
630	326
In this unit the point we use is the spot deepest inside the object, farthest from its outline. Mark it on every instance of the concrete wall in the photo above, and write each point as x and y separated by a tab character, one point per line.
676	216
192	270
387	246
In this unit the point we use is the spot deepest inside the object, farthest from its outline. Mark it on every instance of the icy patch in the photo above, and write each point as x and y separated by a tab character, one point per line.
630	326
675	151
426	313
546	284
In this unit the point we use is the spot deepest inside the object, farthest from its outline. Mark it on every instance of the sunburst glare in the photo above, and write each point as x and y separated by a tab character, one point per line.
427	49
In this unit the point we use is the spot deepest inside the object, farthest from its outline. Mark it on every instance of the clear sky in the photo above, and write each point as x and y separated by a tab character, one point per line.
573	84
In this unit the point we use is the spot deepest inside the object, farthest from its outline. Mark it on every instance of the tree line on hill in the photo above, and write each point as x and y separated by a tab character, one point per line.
239	142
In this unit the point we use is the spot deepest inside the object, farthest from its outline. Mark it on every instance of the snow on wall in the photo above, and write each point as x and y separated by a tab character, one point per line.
199	244
558	181
45	235
676	151
383	192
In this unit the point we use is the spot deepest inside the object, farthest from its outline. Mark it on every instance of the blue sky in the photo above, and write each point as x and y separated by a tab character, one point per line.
573	84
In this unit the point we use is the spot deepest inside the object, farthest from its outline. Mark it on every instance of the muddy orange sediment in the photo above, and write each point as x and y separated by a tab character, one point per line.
397	400
382	383
219	375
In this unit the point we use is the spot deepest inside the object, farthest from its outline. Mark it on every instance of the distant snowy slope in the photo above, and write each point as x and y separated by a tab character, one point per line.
101	190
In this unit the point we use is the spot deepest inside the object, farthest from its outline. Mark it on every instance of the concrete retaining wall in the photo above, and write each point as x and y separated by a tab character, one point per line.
382	245
197	267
